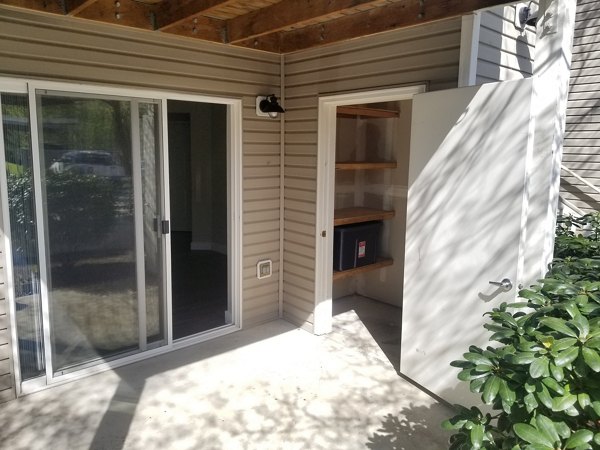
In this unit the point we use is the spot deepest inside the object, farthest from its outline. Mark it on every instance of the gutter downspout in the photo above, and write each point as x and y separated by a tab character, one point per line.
281	182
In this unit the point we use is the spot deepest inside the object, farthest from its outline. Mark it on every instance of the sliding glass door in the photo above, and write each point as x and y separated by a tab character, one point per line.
99	178
85	210
98	272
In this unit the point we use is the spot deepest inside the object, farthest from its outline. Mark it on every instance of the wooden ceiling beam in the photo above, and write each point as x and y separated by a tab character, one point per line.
284	14
171	13
394	16
74	7
127	13
53	7
200	27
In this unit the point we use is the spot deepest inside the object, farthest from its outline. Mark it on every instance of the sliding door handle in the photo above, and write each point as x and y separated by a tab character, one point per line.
165	227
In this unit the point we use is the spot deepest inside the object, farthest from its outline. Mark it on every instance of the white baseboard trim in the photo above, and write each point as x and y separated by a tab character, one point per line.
212	246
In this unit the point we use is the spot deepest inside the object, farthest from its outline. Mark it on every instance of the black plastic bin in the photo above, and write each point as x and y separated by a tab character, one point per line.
355	245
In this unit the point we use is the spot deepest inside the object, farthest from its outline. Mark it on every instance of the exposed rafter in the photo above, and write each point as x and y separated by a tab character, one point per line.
270	25
172	13
74	7
396	15
119	12
284	14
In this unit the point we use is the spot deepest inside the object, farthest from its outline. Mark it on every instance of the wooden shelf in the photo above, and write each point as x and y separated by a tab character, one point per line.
346	216
381	262
365	165
364	111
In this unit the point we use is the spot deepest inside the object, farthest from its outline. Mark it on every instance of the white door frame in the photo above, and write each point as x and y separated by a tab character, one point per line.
326	189
234	186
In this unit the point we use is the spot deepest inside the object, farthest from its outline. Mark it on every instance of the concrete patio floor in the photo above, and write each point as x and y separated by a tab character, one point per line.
269	387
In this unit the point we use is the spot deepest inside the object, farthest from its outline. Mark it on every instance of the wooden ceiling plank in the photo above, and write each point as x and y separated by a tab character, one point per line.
284	14
172	13
74	7
267	43
53	7
393	16
204	28
124	12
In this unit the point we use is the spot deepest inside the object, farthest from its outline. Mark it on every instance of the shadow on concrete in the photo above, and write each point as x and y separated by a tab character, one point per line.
411	429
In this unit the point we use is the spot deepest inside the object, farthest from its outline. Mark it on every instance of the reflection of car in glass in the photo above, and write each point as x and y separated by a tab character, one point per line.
90	162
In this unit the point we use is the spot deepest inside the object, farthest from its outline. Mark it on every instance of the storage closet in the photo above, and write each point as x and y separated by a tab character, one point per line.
371	177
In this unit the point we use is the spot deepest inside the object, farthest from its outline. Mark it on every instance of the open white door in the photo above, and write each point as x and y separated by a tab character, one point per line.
464	223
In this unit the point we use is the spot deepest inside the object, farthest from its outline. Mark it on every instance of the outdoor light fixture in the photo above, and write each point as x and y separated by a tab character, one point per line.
268	106
528	17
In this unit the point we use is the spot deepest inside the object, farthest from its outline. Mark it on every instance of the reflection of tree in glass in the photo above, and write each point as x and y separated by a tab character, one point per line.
86	124
81	208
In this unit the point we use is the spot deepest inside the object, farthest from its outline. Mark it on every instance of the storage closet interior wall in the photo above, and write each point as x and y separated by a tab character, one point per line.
372	154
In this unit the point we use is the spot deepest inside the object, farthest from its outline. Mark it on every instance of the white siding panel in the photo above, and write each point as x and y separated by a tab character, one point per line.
61	48
505	51
424	54
7	388
581	151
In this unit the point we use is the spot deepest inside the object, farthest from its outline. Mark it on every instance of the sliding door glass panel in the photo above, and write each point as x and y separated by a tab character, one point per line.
199	213
86	158
150	155
24	243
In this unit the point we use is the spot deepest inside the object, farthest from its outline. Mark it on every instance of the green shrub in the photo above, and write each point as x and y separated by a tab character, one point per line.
541	378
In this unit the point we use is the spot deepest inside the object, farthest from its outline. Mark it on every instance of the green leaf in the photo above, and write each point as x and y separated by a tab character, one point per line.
564	343
469	374
597	438
539	367
523	358
594	342
566	357
531	435
490	390
591	358
546	426
552	384
564	402
462	364
530	402
506	393
476	358
544	397
477	436
571	308
563	429
582	325
584	400
596	407
557	372
580	437
476	384
559	325
453	424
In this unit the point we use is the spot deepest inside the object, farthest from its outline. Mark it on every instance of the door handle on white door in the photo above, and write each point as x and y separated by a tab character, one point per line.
505	283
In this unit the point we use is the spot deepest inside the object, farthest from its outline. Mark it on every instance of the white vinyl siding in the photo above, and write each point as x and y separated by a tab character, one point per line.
581	151
424	54
7	387
505	50
61	48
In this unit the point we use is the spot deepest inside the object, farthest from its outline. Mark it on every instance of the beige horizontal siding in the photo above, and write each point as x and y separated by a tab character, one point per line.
505	51
61	48
581	151
7	386
424	54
